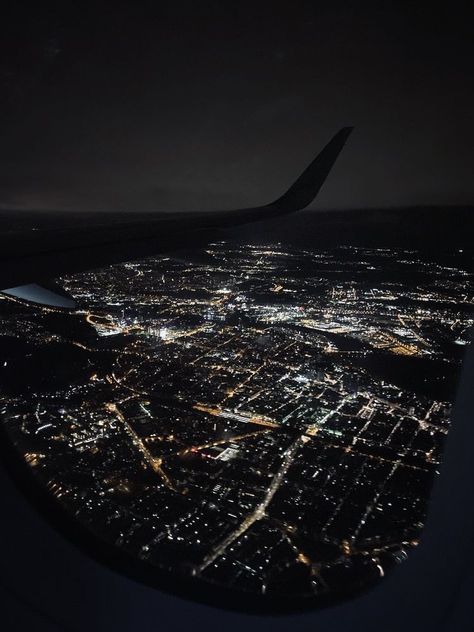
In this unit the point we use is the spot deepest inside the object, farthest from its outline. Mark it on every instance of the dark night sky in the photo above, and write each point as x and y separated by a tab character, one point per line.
170	105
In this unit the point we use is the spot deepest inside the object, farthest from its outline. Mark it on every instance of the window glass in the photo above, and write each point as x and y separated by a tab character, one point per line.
265	415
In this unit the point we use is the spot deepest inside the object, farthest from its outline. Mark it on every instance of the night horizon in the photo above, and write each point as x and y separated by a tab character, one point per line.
179	107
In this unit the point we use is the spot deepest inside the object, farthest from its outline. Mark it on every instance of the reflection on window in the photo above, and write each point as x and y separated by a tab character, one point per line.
266	418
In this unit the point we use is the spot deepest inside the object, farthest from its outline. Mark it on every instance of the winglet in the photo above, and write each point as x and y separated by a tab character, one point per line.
307	186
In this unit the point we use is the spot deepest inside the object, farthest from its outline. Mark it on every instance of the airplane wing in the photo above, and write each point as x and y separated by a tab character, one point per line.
28	257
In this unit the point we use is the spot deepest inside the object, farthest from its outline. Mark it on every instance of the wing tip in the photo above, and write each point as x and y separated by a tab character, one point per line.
304	190
345	131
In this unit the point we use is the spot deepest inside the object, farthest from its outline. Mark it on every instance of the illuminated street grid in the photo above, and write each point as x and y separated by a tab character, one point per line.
266	418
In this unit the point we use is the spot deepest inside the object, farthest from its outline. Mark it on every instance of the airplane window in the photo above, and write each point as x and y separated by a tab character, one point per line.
263	418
